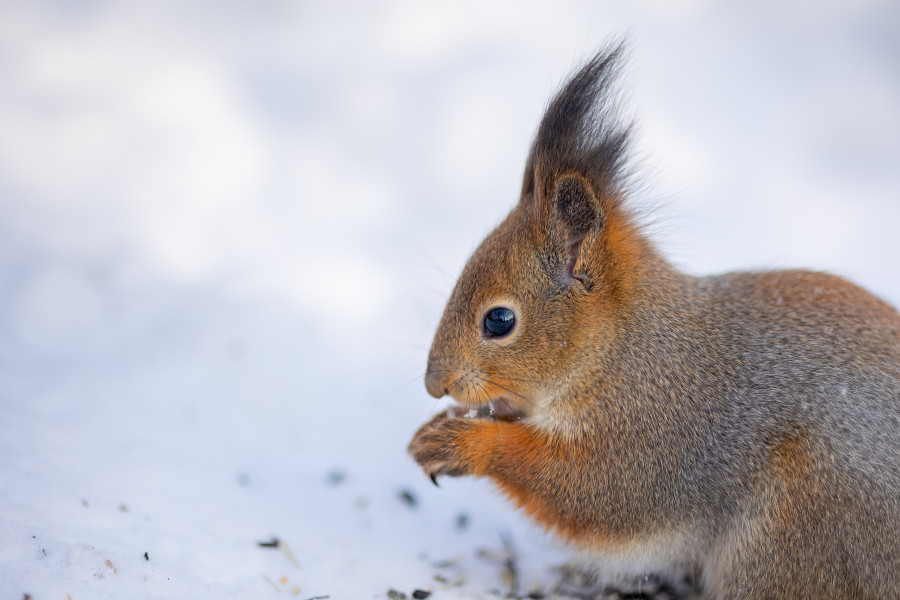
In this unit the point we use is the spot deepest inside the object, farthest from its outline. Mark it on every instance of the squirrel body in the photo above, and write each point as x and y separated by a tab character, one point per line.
744	427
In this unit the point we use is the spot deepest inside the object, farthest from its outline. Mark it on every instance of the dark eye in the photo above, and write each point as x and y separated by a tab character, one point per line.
498	322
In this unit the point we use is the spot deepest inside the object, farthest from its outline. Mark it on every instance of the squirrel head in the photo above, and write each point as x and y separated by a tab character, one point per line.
554	279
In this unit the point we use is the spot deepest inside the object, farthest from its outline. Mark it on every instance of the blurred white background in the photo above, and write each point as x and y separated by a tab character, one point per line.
227	231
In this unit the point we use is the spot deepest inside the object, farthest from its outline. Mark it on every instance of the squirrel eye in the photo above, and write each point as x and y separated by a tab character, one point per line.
498	322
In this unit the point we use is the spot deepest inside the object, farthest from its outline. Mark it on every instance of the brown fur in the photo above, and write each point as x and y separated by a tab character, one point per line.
744	426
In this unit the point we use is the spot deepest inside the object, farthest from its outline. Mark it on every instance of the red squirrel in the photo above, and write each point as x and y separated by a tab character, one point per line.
744	427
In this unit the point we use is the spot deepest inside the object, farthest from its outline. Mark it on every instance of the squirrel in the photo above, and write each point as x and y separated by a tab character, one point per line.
743	427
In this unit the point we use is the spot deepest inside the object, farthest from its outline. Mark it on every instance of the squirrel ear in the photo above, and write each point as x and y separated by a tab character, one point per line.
576	207
528	178
576	212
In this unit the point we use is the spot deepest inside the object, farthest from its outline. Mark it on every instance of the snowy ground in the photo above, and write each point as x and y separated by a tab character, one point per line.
227	231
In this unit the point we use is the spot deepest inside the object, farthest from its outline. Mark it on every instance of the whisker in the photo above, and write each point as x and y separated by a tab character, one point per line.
475	391
482	393
409	382
501	376
506	402
508	406
516	394
506	389
487	402
454	382
491	411
449	279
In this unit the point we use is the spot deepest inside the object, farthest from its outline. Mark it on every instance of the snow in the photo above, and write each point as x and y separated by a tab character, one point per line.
227	231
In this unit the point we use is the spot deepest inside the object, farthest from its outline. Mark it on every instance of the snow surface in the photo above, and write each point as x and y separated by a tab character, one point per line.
227	231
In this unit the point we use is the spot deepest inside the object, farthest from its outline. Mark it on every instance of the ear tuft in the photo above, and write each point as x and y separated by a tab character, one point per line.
582	133
576	207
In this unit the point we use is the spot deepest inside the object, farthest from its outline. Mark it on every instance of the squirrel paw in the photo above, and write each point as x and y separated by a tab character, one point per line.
436	447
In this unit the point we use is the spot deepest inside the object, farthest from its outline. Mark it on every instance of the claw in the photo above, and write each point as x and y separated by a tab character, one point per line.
434	479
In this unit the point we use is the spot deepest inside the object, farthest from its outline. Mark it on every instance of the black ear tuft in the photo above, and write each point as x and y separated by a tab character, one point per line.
582	133
576	207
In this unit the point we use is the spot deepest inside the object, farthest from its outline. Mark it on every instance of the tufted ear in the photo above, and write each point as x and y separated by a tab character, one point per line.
576	171
576	207
576	212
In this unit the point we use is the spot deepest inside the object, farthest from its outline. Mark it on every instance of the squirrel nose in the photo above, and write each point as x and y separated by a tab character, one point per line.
435	382
436	377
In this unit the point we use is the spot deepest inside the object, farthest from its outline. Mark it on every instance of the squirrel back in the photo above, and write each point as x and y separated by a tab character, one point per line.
744	427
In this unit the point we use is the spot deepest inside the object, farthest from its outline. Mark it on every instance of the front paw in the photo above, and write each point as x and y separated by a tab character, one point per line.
438	447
